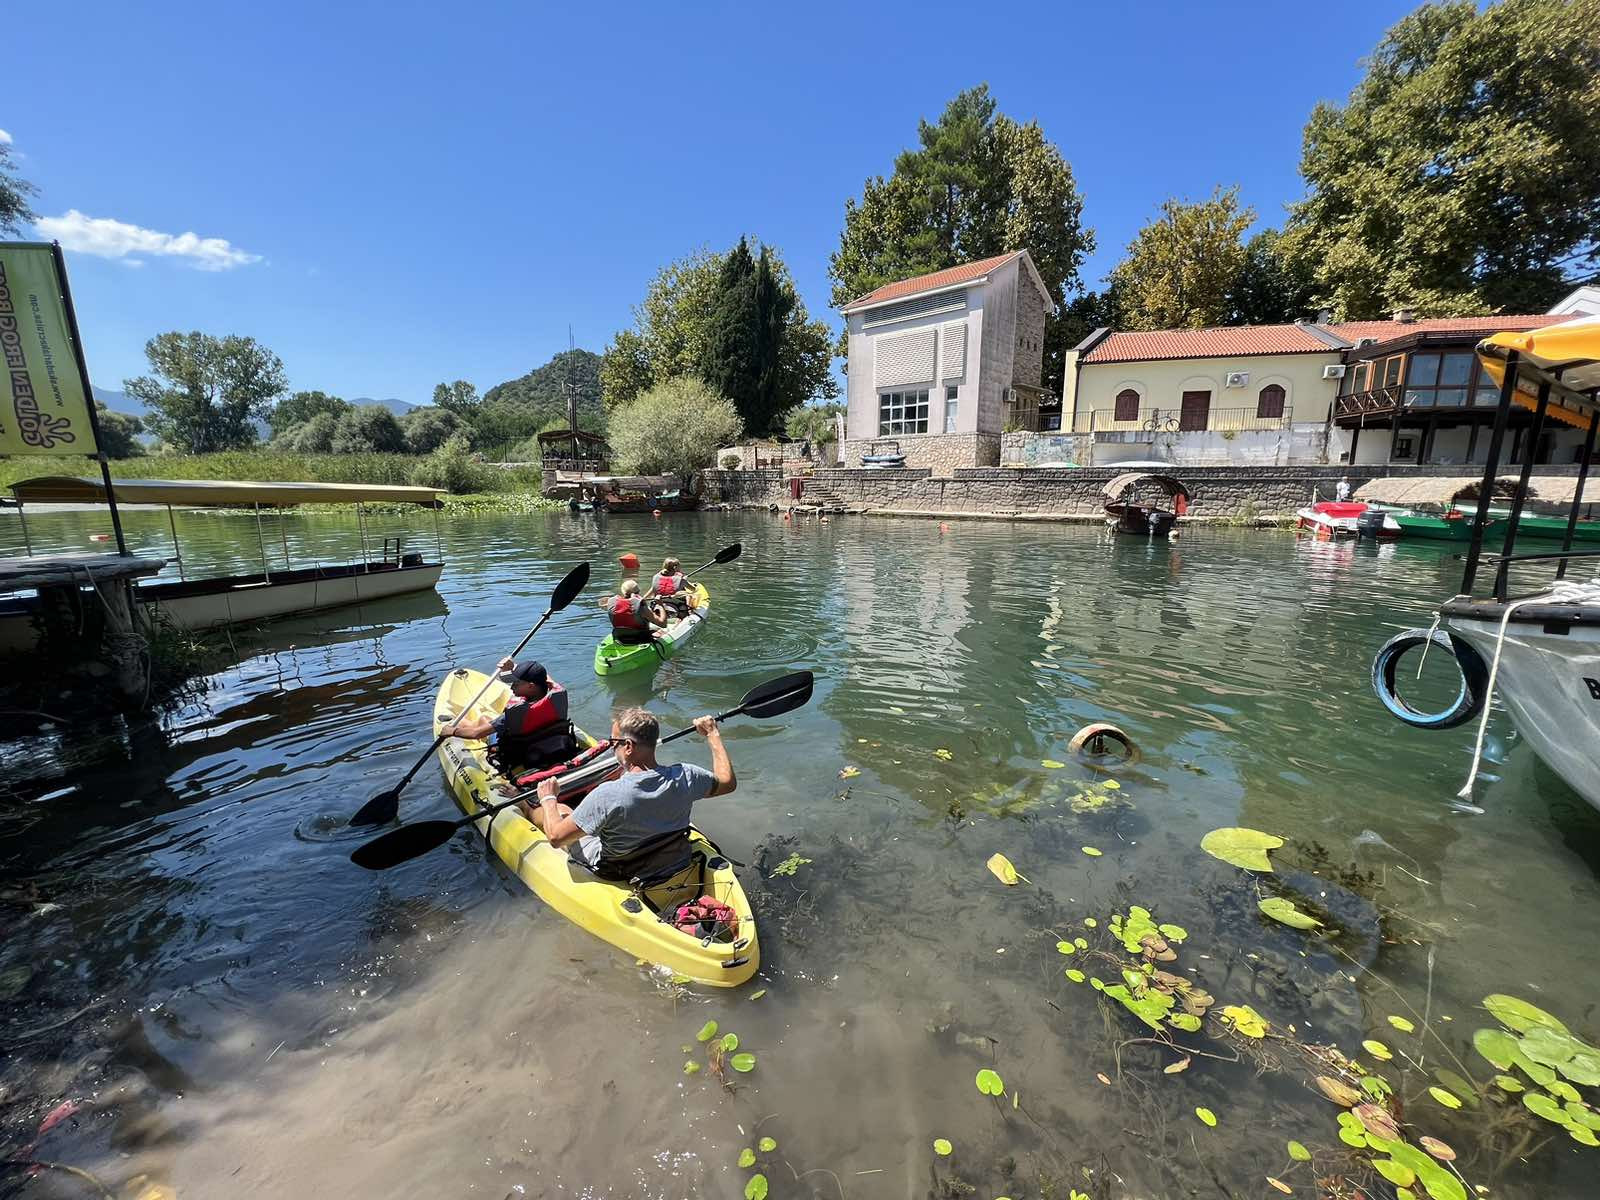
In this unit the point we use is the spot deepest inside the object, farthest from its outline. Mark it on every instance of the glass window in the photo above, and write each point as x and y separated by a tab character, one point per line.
1127	405
1269	403
1348	383
1451	397
1424	370
950	407
1363	377
1391	369
902	412
1487	396
1456	368
1420	399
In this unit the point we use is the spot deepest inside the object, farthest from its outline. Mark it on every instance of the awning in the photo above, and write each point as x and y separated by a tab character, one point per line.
1433	489
1566	356
1114	489
216	493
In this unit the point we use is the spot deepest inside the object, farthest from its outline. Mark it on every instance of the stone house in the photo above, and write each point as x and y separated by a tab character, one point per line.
942	364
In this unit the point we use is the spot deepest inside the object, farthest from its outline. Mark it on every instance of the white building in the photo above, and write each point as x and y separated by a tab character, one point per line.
941	364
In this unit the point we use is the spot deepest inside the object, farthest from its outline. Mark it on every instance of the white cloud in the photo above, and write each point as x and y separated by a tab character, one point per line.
108	238
5	138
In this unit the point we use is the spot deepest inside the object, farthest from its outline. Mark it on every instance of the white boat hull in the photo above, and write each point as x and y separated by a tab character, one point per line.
1550	683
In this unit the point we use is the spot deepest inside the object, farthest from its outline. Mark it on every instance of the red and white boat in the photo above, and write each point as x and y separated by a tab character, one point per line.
1346	518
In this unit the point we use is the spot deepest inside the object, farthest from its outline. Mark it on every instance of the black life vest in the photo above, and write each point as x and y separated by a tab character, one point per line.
535	731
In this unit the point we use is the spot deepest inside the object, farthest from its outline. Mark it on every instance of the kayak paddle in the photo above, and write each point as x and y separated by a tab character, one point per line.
770	699
383	807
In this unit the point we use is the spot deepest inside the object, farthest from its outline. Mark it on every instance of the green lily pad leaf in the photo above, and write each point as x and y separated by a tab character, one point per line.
1051	763
1285	912
747	1157
1465	1090
1508	1083
1377	1088
1298	1152
1582	1135
1092	852
1541	1105
1377	1049
1066	948
1400	1023
1520	1015
943	754
691	1067
1173	933
757	994
730	1042
989	1083
1396	1173
1081	943
707	1032
1206	1116
767	1145
1187	1022
1074	974
744	1062
1448	1099
1563	1089
1245	1020
680	980
1353	1137
1579	1114
1246	848
756	1189
942	1147
1496	1045
1090	922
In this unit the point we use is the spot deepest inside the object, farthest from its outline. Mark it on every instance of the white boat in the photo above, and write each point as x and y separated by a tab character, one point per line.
1538	649
1346	519
213	601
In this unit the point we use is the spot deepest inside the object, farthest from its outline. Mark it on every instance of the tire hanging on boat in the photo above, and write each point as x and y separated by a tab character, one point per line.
1469	699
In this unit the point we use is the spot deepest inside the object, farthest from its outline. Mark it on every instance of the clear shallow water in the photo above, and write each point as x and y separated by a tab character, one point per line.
246	1014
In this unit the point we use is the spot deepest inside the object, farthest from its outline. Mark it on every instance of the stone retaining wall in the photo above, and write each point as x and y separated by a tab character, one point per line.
941	453
1219	492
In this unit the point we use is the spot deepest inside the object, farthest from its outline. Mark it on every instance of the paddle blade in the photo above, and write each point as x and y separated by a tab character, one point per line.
380	810
403	844
778	696
728	553
567	590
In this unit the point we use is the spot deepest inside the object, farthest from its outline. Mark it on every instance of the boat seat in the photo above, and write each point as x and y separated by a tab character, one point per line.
655	862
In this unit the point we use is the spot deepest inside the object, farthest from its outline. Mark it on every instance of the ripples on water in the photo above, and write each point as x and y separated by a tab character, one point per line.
248	1015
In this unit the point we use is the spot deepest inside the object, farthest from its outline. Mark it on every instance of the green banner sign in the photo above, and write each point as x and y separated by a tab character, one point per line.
44	397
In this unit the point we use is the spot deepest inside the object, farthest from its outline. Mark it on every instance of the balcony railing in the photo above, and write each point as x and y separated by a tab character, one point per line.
1377	402
1156	420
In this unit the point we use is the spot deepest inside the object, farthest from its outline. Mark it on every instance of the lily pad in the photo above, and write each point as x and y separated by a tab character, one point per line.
1337	1091
942	753
1496	1045
1438	1149
1245	1020
747	1157
989	1083
1206	1116
1298	1152
707	1032
757	994
1396	1173
942	1147
1508	1083
1400	1023
1000	867
743	1062
756	1189
1246	848
767	1145
1543	1106
1377	1049
730	1042
1378	1122
1187	1022
1520	1015
1051	763
1074	974
1173	933
691	1067
1280	1185
1285	912
1066	948
1448	1099
1092	852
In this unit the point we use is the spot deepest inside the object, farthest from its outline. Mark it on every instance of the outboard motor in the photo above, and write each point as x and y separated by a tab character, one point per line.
1370	523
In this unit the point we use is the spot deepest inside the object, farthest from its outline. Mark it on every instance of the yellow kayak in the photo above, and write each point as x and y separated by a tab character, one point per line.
606	909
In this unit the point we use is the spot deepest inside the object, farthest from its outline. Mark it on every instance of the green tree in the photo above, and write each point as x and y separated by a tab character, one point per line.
118	432
1272	287
674	428
313	437
368	429
1460	175
1181	268
624	369
977	184
426	429
204	392
459	397
813	422
541	395
299	407
15	191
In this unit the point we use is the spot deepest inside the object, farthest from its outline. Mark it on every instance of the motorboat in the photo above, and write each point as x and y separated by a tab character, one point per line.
1346	518
1533	633
1145	503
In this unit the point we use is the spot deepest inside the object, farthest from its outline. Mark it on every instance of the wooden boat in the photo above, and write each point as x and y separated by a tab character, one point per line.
1451	526
630	494
1145	503
213	601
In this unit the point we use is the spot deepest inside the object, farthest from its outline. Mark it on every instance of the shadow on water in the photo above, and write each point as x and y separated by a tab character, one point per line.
190	955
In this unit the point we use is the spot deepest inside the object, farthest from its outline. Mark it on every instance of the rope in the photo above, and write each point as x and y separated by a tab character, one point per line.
1561	592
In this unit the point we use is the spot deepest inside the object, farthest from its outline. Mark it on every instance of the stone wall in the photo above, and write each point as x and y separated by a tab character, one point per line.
1218	492
1024	449
1027	367
940	453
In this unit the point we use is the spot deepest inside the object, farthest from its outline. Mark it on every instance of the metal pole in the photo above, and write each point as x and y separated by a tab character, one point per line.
361	528
177	551
27	546
261	538
88	393
438	537
1577	493
1520	500
283	534
1508	389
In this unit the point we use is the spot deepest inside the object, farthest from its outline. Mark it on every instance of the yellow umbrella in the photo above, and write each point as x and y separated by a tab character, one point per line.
1567	356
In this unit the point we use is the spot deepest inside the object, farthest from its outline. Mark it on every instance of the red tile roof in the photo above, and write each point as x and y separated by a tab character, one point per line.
1234	341
965	273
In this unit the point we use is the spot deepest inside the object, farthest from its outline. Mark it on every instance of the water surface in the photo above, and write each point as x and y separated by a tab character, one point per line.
243	1013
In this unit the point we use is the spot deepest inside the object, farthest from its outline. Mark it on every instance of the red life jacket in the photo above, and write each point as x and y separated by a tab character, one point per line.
707	917
625	613
667	585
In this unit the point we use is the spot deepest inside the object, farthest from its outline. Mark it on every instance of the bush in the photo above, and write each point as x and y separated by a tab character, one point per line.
427	429
310	437
453	468
118	432
370	429
674	428
730	462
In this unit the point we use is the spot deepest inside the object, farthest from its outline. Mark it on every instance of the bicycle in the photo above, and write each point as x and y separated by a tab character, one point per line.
1156	423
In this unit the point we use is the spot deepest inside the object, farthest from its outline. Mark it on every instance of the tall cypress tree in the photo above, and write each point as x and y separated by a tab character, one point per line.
732	365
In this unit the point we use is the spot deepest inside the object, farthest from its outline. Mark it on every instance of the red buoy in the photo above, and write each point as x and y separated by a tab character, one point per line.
630	561
655	512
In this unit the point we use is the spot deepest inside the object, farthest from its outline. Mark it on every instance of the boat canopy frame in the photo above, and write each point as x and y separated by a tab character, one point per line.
1556	371
1116	490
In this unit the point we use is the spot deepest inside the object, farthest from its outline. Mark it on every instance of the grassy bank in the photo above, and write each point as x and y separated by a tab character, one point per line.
275	466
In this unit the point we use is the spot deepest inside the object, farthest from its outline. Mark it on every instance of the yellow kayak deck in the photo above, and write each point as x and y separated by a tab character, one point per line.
607	909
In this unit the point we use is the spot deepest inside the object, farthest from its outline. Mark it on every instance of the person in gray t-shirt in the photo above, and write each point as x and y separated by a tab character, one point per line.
644	803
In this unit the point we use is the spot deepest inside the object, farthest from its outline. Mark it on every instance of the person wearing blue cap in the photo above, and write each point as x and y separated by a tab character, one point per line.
533	729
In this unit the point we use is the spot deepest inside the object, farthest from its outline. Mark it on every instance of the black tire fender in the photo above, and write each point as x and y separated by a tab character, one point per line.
1469	700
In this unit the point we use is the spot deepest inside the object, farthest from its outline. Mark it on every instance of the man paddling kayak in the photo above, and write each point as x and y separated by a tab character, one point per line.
533	729
643	808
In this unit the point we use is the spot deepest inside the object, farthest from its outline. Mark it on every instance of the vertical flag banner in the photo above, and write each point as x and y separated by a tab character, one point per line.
44	397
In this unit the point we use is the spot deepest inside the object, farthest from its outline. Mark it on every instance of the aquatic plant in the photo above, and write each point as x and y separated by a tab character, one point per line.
1000	867
1534	1042
790	865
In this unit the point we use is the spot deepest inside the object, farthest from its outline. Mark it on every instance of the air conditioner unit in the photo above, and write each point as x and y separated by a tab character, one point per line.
1237	379
1333	371
1360	342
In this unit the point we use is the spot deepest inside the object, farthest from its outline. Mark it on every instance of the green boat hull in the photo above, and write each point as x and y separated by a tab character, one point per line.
612	657
1435	527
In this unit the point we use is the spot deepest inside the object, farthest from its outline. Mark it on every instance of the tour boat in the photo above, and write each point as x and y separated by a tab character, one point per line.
1126	512
1539	646
197	604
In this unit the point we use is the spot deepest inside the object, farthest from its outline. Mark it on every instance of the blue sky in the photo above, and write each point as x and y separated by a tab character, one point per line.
407	193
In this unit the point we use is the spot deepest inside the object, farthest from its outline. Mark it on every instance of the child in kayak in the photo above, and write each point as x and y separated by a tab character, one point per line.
633	621
533	729
670	586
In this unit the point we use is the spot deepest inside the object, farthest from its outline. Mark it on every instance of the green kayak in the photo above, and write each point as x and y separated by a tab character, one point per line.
612	657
